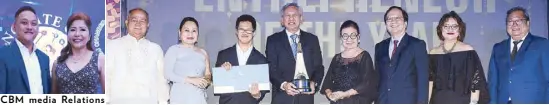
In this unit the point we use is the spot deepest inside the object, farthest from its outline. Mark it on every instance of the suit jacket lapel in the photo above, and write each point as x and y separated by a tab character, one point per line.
286	43
401	46
19	62
42	59
522	50
233	56
385	51
252	58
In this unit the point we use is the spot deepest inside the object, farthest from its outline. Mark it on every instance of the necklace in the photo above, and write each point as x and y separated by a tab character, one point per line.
78	59
451	49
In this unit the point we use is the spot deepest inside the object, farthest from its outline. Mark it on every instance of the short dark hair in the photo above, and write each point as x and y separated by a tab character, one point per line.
186	19
349	23
515	9
24	8
404	13
246	18
139	9
445	19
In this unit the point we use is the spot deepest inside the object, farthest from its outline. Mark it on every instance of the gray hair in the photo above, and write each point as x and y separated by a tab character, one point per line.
290	5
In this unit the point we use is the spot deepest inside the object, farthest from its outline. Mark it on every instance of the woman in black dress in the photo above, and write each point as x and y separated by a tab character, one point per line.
351	78
455	68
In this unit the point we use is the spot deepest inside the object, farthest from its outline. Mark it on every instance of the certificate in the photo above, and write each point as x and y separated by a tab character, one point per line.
240	78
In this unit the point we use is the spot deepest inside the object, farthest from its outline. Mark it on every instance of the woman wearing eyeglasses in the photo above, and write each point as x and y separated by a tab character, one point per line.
455	68
351	78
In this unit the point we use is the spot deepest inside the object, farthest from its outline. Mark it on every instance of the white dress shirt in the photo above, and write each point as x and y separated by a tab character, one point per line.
32	66
391	44
290	34
136	74
243	56
518	45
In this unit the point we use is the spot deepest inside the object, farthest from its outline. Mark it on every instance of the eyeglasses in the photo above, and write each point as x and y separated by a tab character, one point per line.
347	36
394	19
450	27
245	31
518	22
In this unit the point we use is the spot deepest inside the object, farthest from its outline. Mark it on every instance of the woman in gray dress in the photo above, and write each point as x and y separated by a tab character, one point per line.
78	70
187	66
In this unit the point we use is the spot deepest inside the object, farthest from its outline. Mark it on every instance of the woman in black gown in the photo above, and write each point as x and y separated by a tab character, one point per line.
351	78
456	70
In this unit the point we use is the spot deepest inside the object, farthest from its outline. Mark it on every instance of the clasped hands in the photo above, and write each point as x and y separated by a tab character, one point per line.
338	95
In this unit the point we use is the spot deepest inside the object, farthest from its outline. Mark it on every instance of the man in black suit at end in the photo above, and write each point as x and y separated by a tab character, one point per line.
242	53
281	53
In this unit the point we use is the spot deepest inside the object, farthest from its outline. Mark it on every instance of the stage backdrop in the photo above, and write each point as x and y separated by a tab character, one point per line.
52	19
485	21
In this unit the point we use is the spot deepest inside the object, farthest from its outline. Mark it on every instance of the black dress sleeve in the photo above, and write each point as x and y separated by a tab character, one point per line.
368	84
478	80
327	83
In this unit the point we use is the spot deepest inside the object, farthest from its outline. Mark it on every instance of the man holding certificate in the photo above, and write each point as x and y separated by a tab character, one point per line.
243	53
295	60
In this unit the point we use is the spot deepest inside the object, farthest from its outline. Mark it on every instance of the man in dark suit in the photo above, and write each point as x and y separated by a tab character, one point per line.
281	53
402	63
243	53
23	68
519	66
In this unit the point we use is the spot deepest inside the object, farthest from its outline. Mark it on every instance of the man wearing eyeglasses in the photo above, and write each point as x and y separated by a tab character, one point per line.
402	63
282	54
519	66
242	53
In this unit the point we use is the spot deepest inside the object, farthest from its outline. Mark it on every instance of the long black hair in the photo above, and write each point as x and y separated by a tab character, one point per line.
67	50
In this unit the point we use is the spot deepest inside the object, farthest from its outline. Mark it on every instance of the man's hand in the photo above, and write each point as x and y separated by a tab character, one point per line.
227	66
289	87
254	91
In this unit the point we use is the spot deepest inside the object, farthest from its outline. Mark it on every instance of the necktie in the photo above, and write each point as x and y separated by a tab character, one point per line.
294	44
515	49
395	45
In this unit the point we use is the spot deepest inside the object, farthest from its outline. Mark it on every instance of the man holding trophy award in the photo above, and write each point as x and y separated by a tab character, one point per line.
295	60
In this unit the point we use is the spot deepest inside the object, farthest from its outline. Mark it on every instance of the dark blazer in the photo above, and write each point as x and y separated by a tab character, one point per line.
229	55
282	65
13	74
404	78
526	80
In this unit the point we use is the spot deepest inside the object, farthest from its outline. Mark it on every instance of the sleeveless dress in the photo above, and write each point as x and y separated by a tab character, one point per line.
84	81
184	62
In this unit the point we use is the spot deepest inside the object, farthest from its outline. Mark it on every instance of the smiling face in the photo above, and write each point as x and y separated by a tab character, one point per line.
26	27
349	37
517	25
138	23
245	32
450	30
395	23
79	34
292	18
189	33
